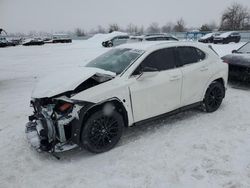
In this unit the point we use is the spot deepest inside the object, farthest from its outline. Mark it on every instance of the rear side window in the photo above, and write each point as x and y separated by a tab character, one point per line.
189	55
201	54
163	59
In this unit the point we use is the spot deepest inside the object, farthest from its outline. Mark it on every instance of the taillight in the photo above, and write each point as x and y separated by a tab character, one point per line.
64	107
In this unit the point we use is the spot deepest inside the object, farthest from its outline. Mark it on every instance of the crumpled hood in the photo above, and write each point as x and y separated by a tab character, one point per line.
66	80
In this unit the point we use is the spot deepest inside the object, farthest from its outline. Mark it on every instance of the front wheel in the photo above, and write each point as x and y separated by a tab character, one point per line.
101	132
214	97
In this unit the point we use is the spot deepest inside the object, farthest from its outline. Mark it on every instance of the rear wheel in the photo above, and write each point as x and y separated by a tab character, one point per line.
214	97
101	132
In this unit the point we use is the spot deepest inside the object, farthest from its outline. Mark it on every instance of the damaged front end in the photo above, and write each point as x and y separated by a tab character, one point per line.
50	127
57	119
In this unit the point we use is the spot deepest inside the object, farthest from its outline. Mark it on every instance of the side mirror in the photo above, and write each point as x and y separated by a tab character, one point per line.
147	72
234	51
149	69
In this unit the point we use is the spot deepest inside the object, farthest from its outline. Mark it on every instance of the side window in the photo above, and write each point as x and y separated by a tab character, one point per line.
189	55
163	59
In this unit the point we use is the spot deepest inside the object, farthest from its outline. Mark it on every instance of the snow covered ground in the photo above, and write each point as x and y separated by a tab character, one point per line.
191	149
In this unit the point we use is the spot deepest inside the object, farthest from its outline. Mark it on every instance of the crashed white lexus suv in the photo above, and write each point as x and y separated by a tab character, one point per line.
90	106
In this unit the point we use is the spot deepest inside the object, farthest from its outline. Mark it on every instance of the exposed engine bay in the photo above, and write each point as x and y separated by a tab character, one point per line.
56	122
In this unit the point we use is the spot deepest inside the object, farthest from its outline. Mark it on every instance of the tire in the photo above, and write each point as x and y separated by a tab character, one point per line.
101	133
110	44
214	97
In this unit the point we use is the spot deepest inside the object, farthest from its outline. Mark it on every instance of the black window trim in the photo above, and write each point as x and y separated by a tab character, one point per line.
175	57
178	60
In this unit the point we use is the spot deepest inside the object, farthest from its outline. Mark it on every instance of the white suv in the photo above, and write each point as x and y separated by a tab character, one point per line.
128	85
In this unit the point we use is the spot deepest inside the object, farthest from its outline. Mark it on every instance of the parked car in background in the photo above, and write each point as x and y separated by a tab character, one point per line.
239	63
128	85
163	37
4	42
16	41
152	37
47	40
118	39
33	42
208	38
61	38
227	37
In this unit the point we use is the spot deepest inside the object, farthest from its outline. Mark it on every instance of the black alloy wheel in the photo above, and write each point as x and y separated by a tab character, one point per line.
101	132
214	97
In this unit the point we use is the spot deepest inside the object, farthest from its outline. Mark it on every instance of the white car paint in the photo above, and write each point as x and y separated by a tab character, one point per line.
66	80
151	94
161	92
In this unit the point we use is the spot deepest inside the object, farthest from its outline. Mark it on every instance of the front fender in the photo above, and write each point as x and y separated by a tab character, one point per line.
106	91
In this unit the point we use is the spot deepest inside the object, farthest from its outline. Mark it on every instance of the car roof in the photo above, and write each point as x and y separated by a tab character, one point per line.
154	45
226	34
156	36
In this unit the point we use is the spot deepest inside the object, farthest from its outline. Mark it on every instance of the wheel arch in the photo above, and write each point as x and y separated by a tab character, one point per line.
115	101
98	106
219	79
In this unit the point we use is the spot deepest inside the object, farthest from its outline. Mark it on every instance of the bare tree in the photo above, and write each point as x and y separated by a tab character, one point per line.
212	25
79	32
2	30
132	29
154	28
180	25
205	27
101	29
168	27
113	27
32	33
235	17
141	30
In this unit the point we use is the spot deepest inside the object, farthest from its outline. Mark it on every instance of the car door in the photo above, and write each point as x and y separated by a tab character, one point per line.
156	85
196	70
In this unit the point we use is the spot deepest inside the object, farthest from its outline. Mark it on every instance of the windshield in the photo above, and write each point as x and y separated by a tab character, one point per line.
116	60
244	49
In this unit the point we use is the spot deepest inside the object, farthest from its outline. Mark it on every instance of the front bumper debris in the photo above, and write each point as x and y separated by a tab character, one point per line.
32	135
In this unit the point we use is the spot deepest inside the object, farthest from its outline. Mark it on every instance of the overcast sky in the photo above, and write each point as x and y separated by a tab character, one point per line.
65	15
